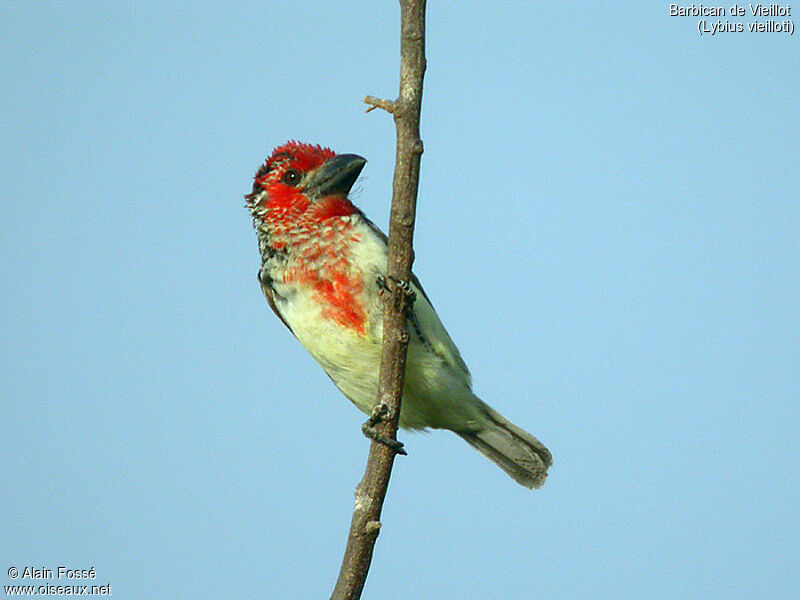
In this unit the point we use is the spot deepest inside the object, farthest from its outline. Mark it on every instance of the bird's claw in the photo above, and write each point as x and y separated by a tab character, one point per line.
379	413
383	286
409	292
403	285
372	434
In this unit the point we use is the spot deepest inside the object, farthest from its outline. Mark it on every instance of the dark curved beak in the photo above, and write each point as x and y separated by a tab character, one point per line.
336	176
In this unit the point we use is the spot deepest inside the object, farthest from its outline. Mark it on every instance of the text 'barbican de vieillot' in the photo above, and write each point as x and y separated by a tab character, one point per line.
756	10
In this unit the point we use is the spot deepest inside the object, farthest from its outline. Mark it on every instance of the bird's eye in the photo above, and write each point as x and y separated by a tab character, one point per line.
291	177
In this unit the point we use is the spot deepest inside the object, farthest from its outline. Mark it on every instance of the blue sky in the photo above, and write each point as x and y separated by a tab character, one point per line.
608	224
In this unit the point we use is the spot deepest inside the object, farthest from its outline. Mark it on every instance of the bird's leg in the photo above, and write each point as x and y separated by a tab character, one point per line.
379	413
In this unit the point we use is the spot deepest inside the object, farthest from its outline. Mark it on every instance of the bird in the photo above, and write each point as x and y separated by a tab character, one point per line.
323	272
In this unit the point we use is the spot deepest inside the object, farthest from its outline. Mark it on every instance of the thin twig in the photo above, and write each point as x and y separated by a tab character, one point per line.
387	105
371	492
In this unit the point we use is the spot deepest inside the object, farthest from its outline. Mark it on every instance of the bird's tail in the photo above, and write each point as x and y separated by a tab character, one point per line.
513	449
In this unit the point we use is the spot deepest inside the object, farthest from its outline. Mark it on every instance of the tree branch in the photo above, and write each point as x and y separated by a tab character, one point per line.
371	491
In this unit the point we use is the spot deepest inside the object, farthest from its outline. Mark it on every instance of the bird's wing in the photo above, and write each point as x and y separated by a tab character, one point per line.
431	329
269	292
426	322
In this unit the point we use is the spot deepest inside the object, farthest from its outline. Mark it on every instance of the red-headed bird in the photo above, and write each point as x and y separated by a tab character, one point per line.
323	267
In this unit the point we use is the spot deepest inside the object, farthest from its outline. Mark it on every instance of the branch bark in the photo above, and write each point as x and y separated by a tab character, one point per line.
371	491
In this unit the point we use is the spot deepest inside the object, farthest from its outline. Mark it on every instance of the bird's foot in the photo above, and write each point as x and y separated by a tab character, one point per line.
405	287
369	429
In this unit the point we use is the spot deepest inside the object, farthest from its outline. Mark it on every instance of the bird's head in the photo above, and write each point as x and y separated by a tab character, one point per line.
302	184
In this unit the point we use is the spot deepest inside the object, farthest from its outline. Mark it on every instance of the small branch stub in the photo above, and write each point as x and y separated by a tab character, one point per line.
388	105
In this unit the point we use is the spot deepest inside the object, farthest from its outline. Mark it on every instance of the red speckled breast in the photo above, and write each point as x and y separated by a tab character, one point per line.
322	263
